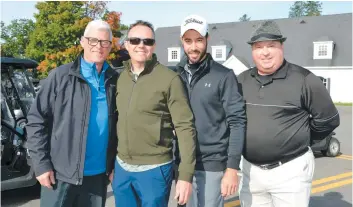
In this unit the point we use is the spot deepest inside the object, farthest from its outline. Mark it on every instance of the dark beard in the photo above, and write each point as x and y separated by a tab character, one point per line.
203	54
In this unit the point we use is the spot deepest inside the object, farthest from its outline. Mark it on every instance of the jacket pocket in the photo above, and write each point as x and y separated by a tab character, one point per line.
145	134
64	158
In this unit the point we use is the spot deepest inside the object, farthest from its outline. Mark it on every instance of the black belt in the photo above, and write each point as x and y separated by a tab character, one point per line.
284	160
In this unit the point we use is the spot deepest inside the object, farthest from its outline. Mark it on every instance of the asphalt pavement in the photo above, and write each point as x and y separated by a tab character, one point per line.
332	185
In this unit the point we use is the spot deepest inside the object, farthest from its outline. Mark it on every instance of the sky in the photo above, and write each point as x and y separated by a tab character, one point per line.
171	13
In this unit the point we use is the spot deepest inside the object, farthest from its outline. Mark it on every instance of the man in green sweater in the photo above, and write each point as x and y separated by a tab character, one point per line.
151	102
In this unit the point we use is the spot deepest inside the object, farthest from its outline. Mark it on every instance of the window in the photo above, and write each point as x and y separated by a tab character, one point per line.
174	54
323	50
219	53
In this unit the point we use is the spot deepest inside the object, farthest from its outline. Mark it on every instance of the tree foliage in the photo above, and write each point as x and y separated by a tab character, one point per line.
305	8
244	18
124	27
69	53
58	26
313	8
15	37
113	19
53	38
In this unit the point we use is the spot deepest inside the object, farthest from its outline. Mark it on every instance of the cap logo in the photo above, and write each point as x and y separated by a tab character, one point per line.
192	20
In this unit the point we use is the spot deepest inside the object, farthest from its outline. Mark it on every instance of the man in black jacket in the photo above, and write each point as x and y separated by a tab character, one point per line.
286	107
71	126
219	114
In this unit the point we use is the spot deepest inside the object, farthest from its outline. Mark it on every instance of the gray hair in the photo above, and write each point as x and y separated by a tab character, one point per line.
98	25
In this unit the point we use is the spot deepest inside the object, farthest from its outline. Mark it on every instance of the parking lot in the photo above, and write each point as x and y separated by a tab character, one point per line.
332	185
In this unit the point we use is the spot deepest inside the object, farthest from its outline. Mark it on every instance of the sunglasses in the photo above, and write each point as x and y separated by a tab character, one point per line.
137	41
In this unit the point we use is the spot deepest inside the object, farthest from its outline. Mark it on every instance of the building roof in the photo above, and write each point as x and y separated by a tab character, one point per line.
301	32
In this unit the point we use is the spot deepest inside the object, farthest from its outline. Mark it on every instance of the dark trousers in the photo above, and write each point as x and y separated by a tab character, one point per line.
149	188
92	193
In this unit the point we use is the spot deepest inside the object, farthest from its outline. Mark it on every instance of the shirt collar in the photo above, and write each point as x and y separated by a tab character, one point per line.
89	65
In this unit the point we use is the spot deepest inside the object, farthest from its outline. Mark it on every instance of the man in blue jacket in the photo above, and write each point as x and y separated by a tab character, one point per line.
219	114
71	126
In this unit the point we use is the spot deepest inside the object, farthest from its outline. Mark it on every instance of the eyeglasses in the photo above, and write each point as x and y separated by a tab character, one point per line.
94	41
136	41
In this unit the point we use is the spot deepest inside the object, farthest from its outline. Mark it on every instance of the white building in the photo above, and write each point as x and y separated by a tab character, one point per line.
322	44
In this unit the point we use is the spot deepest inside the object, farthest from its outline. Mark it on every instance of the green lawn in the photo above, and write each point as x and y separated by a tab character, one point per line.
343	104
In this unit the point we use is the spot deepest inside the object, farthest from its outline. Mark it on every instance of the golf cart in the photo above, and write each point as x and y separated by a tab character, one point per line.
17	95
329	146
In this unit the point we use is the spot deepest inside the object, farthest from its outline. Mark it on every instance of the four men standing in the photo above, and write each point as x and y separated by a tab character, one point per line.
269	117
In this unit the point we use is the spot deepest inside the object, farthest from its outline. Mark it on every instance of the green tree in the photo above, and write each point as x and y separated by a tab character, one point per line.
313	8
58	26
55	58
244	18
305	8
15	37
124	27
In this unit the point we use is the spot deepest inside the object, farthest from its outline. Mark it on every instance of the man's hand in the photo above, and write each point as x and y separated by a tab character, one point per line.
229	182
111	176
182	192
47	179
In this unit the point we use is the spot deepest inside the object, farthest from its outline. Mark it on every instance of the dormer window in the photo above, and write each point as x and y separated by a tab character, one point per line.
219	53
323	50
174	54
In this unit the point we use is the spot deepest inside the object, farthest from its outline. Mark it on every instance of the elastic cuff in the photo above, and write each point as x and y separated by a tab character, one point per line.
233	163
39	170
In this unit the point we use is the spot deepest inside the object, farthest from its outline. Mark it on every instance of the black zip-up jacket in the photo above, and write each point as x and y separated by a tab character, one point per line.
58	123
219	112
278	112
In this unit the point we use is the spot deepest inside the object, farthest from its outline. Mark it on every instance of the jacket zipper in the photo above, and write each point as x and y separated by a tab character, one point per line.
127	111
126	123
81	138
107	89
82	129
190	87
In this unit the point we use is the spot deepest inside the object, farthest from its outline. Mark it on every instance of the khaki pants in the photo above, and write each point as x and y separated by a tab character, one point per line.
288	185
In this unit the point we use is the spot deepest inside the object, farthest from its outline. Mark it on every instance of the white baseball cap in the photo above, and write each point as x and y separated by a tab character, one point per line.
194	22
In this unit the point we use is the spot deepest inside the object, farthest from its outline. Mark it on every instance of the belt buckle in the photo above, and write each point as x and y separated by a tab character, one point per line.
264	167
270	166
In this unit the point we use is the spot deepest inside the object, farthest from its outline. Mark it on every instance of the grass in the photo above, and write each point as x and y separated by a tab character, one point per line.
343	104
